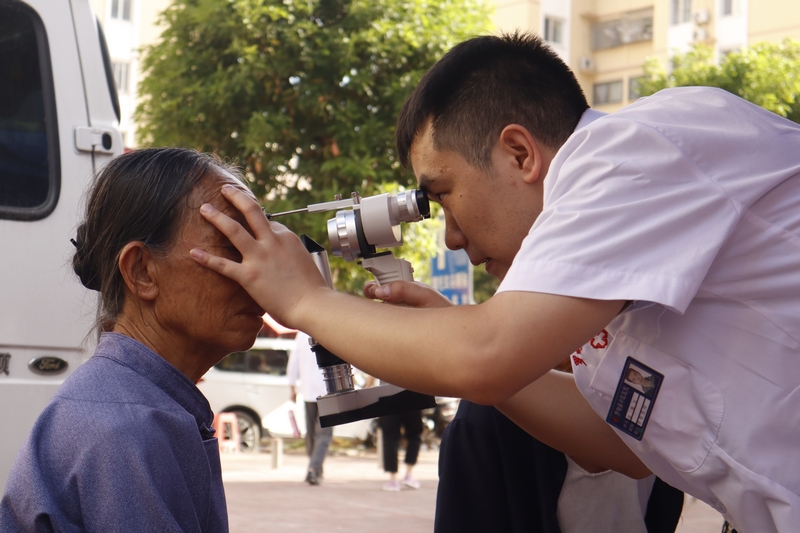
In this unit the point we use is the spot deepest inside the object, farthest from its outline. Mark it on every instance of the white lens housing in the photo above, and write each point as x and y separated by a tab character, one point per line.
381	216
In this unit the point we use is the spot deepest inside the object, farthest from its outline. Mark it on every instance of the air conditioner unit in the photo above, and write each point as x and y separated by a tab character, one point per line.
702	16
586	64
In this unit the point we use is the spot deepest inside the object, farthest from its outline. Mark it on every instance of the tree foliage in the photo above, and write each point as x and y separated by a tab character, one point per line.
765	74
484	285
303	94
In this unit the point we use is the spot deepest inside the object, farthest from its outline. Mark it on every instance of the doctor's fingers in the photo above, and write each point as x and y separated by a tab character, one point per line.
272	241
220	265
249	207
235	232
410	294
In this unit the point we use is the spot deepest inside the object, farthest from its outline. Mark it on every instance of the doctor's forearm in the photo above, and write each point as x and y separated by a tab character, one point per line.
444	351
479	352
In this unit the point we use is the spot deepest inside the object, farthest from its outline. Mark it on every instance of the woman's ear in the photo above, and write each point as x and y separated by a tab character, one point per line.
135	265
517	142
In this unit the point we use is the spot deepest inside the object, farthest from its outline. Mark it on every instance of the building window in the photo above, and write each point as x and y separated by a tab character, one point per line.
634	87
687	11
632	27
727	7
121	9
121	76
553	30
609	92
680	11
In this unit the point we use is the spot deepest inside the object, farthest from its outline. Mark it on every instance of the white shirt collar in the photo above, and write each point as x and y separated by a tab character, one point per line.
589	116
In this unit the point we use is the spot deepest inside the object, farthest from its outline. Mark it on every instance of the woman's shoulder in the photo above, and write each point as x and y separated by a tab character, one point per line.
113	412
121	392
103	379
112	398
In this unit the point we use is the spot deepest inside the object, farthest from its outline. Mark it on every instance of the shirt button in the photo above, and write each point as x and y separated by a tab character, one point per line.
717	505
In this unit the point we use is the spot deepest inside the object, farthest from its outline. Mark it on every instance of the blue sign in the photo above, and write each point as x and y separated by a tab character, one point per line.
451	275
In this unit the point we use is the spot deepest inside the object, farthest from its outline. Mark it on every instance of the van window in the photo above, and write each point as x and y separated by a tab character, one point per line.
110	73
258	361
29	169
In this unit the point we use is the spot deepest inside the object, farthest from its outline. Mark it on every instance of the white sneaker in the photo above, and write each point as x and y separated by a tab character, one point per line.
411	483
392	486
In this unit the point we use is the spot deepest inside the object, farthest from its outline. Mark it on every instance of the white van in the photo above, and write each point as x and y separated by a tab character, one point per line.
58	124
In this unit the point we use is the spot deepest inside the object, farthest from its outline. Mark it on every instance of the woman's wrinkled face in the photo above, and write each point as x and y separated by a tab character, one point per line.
203	312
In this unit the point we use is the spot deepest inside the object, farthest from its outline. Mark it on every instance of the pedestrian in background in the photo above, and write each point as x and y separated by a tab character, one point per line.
411	424
303	367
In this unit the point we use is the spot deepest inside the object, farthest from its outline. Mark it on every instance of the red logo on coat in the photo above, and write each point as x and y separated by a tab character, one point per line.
600	340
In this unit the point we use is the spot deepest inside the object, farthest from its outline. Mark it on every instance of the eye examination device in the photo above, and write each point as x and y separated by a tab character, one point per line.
360	227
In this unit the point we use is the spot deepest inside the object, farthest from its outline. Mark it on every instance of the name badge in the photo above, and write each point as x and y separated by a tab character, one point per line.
633	401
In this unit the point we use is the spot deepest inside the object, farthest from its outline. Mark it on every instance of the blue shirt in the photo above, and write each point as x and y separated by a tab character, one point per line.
126	444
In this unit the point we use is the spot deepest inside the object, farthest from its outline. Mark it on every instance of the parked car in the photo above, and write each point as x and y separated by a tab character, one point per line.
254	386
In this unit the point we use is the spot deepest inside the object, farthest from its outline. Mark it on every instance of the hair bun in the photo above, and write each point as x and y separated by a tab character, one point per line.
82	262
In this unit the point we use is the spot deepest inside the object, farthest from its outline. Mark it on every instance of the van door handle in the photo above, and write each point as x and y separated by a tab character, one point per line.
94	139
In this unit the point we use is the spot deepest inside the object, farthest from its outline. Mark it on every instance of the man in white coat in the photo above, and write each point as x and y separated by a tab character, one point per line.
664	239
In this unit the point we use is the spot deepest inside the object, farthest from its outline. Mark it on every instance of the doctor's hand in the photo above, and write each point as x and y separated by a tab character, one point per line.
410	294
276	270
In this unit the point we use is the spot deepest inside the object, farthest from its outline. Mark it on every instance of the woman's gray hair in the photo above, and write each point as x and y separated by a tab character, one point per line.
139	196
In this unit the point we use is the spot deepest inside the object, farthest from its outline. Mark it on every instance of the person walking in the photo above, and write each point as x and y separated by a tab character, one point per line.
411	424
302	367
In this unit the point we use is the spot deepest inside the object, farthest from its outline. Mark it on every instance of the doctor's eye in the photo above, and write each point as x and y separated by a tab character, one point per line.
437	197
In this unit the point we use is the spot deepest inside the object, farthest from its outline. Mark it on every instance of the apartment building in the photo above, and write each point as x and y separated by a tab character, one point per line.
606	42
128	25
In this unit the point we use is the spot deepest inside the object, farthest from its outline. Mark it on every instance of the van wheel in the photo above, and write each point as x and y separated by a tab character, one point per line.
249	432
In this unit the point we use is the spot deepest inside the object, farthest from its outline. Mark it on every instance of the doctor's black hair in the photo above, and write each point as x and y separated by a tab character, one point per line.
139	196
486	83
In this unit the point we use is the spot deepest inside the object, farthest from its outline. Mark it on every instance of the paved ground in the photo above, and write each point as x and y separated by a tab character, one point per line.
349	499
261	498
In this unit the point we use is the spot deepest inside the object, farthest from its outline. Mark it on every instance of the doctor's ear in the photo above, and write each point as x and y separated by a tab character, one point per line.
138	270
516	141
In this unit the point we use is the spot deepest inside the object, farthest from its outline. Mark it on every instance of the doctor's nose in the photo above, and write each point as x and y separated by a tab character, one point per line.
453	238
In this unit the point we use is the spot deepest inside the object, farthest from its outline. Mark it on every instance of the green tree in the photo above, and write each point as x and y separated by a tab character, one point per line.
302	94
765	74
483	285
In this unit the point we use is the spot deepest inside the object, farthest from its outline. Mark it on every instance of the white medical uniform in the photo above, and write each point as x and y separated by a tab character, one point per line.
688	204
302	367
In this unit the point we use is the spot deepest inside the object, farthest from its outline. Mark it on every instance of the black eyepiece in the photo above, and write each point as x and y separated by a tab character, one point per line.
423	204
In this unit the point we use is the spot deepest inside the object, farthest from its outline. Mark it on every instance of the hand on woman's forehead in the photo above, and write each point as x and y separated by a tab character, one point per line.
208	191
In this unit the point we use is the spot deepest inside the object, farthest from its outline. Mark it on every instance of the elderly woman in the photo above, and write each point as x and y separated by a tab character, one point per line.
127	444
